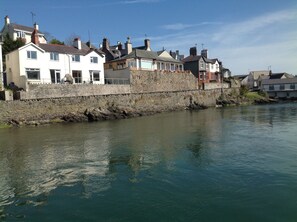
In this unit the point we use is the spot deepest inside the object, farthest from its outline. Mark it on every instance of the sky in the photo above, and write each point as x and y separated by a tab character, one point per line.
246	35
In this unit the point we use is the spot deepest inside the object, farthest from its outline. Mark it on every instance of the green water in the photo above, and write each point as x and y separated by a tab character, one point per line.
234	164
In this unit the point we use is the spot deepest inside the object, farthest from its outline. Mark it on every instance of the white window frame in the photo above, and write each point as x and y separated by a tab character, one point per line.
75	58
54	56
31	54
20	34
94	59
33	70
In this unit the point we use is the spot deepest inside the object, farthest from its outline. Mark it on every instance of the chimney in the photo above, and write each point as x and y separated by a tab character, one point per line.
120	46
193	51
7	20
128	46
204	53
77	43
147	44
105	44
34	35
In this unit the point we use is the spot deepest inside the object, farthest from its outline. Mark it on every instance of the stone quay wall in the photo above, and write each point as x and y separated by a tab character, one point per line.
51	110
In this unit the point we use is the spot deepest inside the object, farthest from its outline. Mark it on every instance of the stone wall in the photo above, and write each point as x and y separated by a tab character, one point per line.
43	91
208	86
162	81
55	109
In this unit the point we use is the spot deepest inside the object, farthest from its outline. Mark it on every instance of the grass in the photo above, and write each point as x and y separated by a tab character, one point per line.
254	96
4	126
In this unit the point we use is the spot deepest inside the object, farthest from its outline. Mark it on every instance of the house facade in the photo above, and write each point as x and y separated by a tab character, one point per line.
280	88
16	31
205	69
38	63
121	60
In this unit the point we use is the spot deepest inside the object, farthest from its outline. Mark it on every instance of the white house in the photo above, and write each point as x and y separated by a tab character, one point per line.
16	31
37	63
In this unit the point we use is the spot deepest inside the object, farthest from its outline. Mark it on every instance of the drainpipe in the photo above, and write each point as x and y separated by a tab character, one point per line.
1	67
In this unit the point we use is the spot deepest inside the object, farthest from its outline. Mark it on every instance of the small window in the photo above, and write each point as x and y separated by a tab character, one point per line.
76	58
20	34
31	54
33	74
54	56
282	87
292	86
94	59
271	87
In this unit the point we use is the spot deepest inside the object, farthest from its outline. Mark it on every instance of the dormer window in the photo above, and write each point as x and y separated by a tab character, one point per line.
94	59
76	58
54	56
31	54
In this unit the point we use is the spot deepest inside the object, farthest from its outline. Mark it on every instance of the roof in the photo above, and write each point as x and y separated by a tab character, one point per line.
192	58
24	28
137	53
279	81
240	76
280	75
64	49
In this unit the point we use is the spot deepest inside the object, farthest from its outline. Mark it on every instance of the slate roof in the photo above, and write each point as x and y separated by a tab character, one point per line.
279	81
280	75
192	58
24	28
137	53
63	49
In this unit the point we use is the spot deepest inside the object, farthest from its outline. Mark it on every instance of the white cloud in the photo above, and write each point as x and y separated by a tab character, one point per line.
181	26
256	43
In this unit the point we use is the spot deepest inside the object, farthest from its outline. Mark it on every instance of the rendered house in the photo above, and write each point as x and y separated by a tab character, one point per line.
120	60
16	31
205	69
280	88
39	63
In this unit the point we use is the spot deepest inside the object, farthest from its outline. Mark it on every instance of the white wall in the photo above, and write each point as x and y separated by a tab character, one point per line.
18	62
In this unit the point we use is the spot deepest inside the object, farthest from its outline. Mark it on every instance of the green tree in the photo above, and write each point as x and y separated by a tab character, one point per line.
10	45
56	41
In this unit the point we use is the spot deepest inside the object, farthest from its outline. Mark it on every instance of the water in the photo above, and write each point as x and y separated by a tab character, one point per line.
234	164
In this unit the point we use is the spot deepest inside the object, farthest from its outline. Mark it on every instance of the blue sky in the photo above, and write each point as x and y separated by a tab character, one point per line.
245	35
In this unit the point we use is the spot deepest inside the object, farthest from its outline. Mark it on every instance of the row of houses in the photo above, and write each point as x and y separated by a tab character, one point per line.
38	62
277	85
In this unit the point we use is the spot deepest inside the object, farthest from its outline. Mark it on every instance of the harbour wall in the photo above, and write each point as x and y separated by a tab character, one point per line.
56	109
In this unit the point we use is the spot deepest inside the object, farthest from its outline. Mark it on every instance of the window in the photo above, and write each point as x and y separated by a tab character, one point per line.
55	76
20	34
95	76
94	59
292	86
76	58
33	74
271	87
54	56
77	76
31	54
282	87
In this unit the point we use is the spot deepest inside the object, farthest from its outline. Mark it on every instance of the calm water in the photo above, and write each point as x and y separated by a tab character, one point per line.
234	164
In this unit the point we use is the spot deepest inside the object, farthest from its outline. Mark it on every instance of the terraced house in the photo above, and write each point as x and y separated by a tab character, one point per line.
120	60
41	63
205	69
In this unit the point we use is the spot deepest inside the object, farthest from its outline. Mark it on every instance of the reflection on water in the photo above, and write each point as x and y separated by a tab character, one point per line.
108	157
